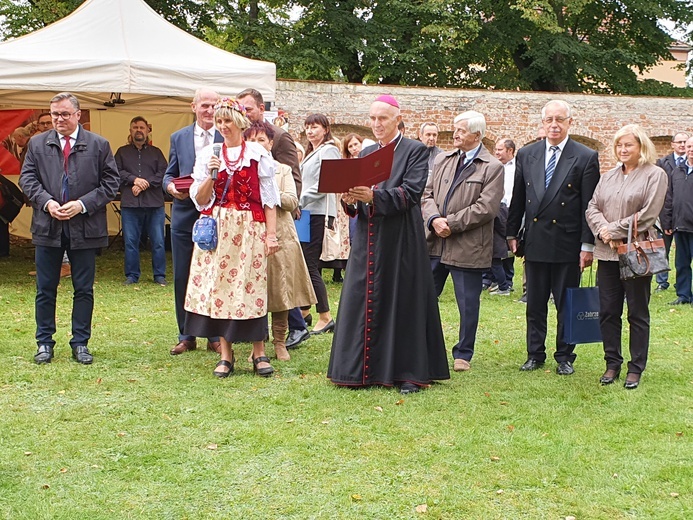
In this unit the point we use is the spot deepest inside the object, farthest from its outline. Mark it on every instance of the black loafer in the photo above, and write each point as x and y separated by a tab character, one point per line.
409	388
82	355
296	337
565	368
43	355
679	301
531	364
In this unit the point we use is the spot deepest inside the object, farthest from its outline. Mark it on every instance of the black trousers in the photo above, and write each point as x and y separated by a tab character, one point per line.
49	260
544	279
637	293
312	251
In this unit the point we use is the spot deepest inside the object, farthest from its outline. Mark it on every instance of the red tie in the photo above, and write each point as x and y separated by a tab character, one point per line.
66	150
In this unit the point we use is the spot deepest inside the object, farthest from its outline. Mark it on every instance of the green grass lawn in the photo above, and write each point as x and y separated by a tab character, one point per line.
141	434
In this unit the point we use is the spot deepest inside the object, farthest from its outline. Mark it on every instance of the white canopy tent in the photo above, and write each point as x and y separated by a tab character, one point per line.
124	50
111	48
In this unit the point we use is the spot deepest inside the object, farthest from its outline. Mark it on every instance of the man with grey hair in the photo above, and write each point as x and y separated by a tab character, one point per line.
428	135
554	182
186	143
69	175
461	199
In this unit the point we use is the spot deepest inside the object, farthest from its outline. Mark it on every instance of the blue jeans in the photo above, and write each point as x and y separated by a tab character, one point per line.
134	220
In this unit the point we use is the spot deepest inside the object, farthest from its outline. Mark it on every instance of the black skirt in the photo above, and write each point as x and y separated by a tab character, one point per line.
233	331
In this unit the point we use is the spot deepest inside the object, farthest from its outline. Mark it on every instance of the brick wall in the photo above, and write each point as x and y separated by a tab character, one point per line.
508	114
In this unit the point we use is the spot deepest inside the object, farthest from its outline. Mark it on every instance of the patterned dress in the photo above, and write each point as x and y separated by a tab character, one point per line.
227	288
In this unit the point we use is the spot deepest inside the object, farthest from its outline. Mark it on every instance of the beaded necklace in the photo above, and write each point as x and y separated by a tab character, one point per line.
232	166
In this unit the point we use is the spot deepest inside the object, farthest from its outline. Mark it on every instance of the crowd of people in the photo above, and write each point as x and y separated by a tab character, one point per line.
466	213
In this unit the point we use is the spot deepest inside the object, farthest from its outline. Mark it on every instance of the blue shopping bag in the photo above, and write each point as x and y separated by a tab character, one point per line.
581	315
303	226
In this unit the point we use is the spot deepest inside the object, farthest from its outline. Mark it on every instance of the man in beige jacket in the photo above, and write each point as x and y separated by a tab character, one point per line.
462	197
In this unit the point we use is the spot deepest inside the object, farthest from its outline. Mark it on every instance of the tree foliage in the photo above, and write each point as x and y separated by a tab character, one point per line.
550	45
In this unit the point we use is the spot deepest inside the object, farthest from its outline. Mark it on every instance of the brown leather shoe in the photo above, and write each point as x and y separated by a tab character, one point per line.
65	271
461	365
214	346
184	346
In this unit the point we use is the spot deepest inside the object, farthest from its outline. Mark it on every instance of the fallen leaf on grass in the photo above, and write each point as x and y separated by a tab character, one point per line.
401	401
46	486
511	428
212	446
499	492
679	434
63	470
27	453
421	508
132	320
487	394
495	459
569	518
326	421
356	497
166	417
98	381
132	380
496	341
378	408
673	495
615	475
62	392
503	403
121	434
290	420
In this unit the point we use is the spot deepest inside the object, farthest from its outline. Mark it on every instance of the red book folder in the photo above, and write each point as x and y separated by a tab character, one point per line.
183	184
338	175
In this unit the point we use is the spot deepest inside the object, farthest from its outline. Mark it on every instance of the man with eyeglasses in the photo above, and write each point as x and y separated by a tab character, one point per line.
69	175
669	163
44	122
554	182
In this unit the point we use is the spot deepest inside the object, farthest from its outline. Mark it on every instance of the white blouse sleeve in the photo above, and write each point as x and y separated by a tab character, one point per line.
199	174
269	191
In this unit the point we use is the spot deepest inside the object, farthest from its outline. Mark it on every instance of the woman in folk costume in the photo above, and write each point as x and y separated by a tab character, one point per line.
227	288
288	280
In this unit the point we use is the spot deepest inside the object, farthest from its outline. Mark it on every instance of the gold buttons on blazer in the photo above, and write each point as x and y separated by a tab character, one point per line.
562	203
553	221
535	219
570	185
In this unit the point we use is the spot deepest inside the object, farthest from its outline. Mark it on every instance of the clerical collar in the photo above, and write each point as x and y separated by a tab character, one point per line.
393	140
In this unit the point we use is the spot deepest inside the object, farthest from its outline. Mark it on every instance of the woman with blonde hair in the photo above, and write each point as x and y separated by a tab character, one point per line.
634	189
227	288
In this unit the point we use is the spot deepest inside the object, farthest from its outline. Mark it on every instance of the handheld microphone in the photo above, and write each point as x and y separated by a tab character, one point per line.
217	150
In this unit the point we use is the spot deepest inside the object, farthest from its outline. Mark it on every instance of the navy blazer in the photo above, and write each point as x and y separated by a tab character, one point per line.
181	161
555	224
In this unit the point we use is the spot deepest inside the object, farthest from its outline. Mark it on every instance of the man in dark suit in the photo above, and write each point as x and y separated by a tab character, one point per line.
554	182
185	144
668	163
283	151
69	175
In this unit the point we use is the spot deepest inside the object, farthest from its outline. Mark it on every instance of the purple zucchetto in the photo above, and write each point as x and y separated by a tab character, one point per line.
387	98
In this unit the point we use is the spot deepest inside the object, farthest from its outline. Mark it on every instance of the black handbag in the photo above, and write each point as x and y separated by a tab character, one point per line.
638	258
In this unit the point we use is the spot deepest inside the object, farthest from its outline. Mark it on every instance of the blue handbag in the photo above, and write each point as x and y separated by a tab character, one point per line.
581	315
204	232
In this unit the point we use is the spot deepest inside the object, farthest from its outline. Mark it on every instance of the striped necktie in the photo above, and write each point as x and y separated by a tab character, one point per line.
551	167
680	161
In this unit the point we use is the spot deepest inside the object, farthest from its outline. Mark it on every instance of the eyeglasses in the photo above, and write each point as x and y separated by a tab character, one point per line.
679	142
556	119
64	115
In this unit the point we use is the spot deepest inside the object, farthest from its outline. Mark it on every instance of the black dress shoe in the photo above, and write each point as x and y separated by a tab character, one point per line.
679	301
632	381
609	377
327	328
531	364
82	355
308	318
409	388
565	368
43	355
296	337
